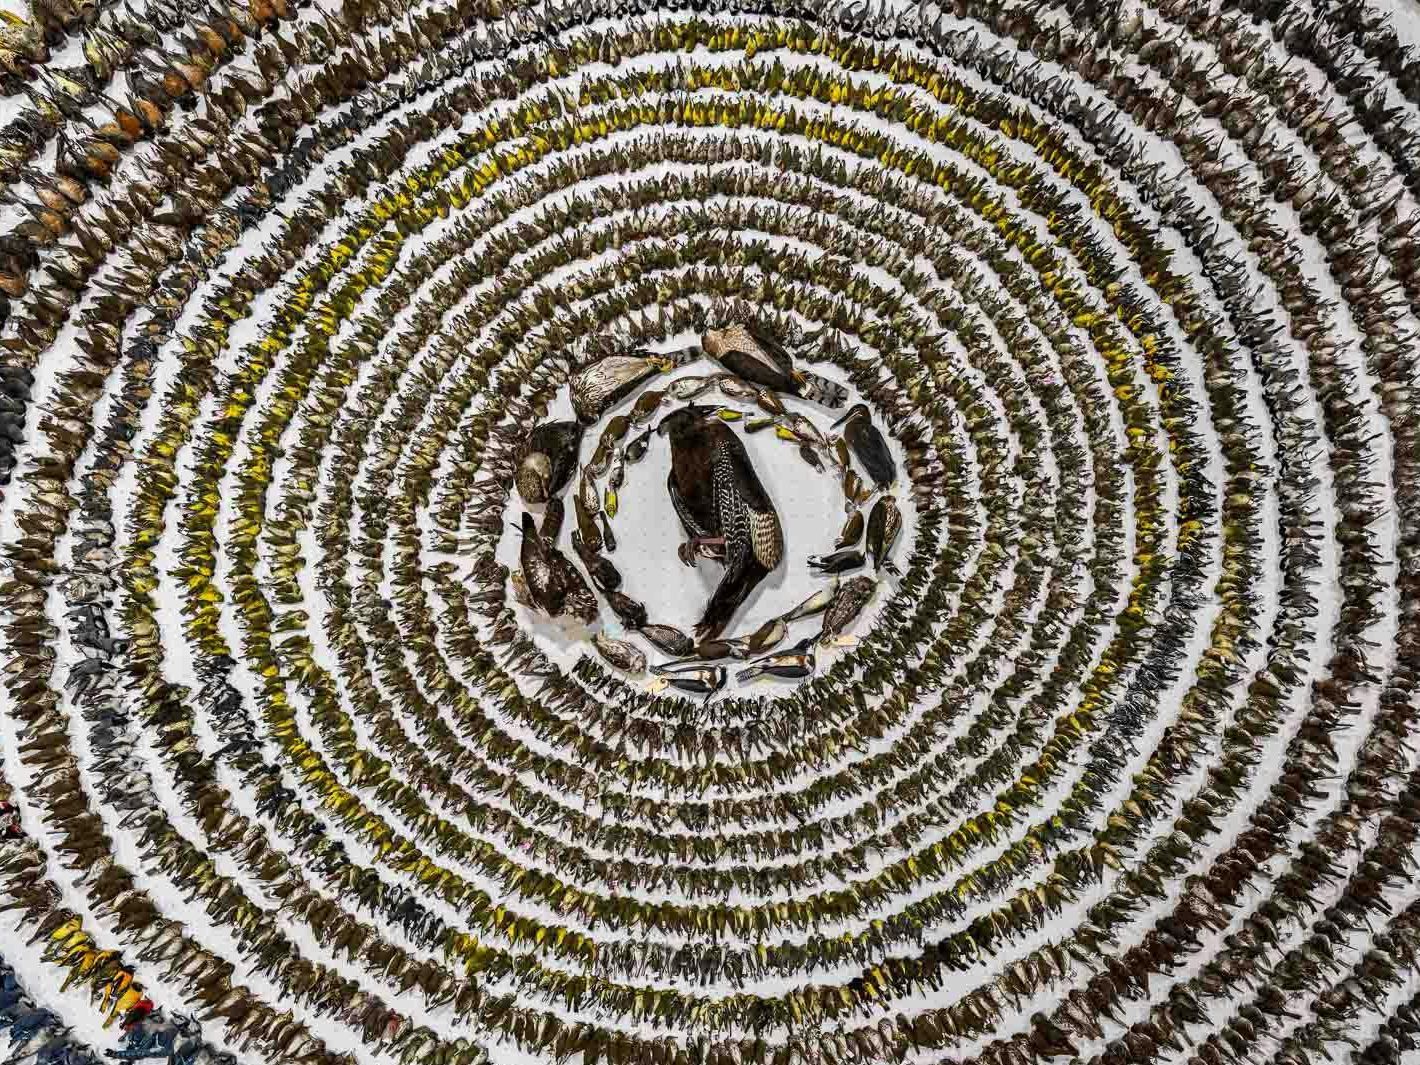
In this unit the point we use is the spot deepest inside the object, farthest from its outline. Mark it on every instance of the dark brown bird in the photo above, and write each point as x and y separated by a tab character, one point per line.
869	445
727	514
884	524
553	583
547	461
753	355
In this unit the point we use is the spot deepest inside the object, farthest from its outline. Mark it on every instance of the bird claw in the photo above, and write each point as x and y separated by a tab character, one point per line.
686	551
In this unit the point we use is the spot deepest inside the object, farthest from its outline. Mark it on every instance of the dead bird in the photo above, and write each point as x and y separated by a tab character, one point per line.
765	638
789	666
726	513
705	681
553	583
869	446
599	386
619	653
838	562
547	461
852	531
884	525
668	639
754	355
853	595
604	575
814	604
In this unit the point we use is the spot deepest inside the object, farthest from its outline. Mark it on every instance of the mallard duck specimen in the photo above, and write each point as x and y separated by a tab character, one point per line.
726	512
753	355
548	460
868	444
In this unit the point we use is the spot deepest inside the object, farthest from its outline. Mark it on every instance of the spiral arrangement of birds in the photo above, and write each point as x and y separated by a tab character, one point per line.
816	532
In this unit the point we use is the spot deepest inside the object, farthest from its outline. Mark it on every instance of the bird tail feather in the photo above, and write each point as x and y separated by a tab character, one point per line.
821	390
730	593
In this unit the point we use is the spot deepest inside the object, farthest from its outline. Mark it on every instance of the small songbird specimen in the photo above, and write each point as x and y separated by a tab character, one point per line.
619	653
765	638
852	597
753	355
547	461
726	512
598	387
869	445
884	524
794	664
838	562
553	583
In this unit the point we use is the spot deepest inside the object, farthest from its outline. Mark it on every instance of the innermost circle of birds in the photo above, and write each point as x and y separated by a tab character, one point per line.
699	401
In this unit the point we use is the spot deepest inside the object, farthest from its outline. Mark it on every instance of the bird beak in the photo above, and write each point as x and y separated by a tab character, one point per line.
840	421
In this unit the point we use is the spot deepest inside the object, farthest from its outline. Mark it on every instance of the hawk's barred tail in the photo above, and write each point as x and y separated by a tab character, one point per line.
821	390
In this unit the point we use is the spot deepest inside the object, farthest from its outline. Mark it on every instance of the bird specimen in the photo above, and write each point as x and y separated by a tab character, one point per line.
725	510
548	460
848	602
753	355
868	445
553	583
608	380
884	525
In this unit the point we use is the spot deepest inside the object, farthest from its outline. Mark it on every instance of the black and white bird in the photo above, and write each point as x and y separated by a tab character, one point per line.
727	514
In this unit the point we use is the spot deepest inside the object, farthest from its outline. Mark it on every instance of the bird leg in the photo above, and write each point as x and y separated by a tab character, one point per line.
708	546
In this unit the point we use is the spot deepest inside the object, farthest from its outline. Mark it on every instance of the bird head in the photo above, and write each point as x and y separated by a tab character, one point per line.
534	477
858	410
682	419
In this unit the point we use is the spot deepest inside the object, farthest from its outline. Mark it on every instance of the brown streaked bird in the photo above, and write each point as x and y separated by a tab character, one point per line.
848	603
884	524
547	461
599	386
552	581
753	355
727	514
868	444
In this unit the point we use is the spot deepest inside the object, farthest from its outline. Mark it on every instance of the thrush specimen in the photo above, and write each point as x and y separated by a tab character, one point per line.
751	354
726	512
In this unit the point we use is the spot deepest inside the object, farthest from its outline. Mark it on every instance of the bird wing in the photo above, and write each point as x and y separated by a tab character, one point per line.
687	518
771	346
747	515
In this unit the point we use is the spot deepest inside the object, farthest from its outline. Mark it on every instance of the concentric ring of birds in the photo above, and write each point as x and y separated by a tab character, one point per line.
629	534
